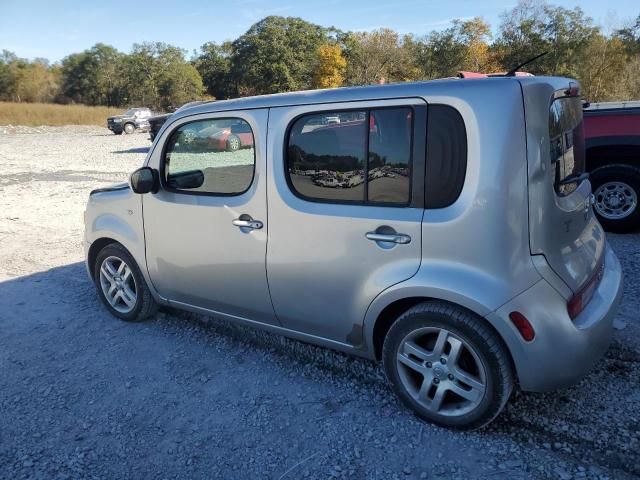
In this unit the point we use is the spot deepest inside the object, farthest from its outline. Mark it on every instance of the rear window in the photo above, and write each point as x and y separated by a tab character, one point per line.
566	134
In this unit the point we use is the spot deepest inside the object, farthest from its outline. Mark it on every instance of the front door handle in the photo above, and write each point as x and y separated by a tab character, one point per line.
245	221
400	238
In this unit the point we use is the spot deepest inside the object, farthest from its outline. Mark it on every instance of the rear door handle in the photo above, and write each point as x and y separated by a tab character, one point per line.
400	238
245	221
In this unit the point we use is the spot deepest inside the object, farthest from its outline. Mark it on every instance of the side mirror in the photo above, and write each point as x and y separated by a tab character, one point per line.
145	180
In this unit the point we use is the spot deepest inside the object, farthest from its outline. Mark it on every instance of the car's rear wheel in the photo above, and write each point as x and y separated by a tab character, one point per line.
616	189
129	128
448	366
121	286
233	143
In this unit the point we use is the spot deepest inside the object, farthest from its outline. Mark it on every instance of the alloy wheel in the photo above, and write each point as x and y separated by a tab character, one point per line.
118	284
441	371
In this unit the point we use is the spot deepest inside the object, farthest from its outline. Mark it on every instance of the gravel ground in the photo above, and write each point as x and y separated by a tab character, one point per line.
83	395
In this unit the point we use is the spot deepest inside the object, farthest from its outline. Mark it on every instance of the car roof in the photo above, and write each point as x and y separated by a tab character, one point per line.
448	86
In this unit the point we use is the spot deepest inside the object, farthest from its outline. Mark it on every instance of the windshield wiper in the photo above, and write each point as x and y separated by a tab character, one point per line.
575	178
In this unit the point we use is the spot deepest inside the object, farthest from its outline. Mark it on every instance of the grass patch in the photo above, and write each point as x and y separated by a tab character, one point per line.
37	114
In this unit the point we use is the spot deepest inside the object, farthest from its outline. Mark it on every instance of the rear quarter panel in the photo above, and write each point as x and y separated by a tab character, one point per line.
475	252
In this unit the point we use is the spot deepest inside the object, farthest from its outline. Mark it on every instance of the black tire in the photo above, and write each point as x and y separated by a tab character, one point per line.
622	174
145	305
488	347
129	128
233	143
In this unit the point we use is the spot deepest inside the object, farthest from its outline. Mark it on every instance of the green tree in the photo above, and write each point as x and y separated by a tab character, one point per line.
157	75
7	83
277	54
214	65
531	28
91	77
630	37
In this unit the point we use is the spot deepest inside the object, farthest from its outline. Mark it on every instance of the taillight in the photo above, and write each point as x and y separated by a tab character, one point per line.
581	299
523	325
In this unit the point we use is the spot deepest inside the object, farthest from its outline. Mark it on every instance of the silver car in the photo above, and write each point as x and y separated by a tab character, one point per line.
444	228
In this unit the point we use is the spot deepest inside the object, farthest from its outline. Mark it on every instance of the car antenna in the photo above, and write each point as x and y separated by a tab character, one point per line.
512	72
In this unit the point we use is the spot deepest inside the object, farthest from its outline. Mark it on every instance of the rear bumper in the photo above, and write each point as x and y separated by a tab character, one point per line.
563	350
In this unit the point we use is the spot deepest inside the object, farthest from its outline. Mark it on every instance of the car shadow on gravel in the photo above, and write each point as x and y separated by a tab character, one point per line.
133	150
57	337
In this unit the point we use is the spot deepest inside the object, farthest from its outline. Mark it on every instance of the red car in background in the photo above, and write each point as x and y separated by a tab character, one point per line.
220	137
233	138
612	141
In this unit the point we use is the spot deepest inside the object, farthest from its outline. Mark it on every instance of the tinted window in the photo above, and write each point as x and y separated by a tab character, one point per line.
390	155
566	136
210	156
446	165
327	155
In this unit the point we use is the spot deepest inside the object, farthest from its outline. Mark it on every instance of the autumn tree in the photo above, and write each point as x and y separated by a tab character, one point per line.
375	57
330	68
464	46
600	67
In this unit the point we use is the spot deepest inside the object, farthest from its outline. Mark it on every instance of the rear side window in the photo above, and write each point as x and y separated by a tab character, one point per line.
361	156
566	136
446	164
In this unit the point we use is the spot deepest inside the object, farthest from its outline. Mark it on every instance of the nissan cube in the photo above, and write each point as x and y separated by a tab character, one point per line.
444	228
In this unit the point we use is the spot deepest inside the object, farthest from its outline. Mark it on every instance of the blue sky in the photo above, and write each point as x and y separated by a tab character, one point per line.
56	28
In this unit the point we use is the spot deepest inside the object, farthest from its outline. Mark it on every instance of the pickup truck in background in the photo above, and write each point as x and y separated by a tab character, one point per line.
130	121
612	142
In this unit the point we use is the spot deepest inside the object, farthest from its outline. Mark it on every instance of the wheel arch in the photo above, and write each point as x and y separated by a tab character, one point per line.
386	310
602	151
94	250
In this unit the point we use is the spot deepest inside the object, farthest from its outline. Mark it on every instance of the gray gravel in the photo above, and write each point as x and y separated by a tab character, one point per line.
83	395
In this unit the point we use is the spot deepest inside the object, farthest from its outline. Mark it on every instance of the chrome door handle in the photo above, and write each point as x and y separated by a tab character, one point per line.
400	238
248	223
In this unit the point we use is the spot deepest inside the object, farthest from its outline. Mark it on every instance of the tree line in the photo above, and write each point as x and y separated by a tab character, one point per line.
279	54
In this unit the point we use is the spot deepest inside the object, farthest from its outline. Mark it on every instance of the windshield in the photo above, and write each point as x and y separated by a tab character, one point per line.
566	134
130	112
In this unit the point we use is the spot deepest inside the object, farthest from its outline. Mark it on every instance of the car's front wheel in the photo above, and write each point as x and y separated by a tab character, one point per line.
616	189
448	366
121	286
129	128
